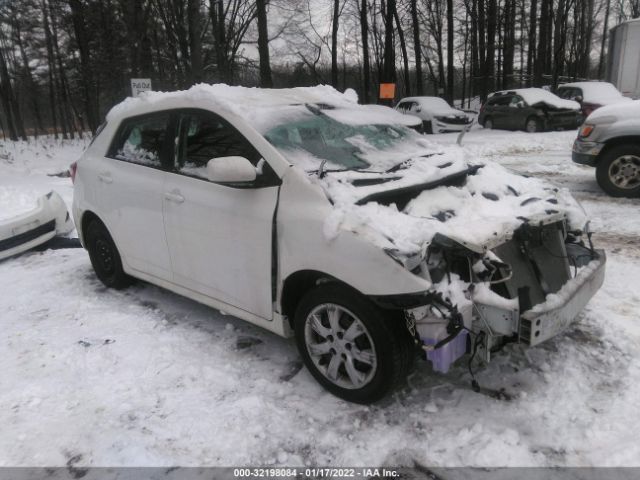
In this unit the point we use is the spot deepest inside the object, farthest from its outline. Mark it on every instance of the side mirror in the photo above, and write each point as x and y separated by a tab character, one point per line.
520	104
418	109
230	170
578	98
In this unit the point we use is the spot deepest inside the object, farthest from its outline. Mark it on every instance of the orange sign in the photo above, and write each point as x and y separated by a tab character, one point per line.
388	90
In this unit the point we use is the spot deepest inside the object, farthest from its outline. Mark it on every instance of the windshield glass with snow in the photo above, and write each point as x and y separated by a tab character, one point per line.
314	137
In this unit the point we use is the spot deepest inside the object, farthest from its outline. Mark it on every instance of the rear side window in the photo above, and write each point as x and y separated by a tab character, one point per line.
142	140
501	100
204	136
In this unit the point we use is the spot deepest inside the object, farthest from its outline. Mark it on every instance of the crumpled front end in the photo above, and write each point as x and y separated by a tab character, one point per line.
526	289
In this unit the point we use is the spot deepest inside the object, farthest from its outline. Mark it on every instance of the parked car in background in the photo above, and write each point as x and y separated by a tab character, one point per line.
436	114
312	216
529	109
609	140
591	95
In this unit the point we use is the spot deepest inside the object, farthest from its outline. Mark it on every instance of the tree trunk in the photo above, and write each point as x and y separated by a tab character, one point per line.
195	43
334	43
509	40
531	52
450	47
603	44
405	57
51	69
31	85
78	17
417	47
491	47
364	27
6	92
541	57
389	60
263	45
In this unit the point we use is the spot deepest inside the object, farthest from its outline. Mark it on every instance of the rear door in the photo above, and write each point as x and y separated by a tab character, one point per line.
131	185
502	112
220	235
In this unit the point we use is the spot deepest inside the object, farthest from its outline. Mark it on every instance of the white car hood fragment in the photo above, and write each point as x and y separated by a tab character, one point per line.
477	204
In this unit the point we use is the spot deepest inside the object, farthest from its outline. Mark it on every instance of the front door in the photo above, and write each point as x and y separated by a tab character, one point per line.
220	235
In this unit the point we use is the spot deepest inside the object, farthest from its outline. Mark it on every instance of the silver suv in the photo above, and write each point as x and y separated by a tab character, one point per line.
610	141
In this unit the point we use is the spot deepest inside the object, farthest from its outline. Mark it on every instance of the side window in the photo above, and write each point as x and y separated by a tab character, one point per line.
204	136
564	93
141	140
500	101
515	100
403	106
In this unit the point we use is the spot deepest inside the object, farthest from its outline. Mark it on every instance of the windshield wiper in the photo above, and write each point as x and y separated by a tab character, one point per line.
406	163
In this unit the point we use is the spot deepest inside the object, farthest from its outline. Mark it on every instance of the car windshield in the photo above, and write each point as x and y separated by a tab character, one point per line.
313	137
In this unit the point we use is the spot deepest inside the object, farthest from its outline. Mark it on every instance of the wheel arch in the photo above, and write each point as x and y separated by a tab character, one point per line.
617	141
297	284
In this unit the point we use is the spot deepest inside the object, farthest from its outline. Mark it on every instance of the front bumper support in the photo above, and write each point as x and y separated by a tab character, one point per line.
560	310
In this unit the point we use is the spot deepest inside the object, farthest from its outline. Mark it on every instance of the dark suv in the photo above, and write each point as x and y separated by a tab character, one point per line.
529	109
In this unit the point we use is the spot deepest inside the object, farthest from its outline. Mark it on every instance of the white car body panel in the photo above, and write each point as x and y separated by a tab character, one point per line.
233	263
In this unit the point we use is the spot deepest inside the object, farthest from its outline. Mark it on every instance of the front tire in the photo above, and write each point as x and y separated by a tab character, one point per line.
618	171
349	346
105	257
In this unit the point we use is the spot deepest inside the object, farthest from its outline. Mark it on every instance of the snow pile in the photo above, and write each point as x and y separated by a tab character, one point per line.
602	93
534	96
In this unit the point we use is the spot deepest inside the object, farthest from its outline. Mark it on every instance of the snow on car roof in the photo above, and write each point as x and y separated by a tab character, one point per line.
539	95
598	92
260	106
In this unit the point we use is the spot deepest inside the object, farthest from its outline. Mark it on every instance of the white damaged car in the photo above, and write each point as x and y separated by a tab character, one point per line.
307	214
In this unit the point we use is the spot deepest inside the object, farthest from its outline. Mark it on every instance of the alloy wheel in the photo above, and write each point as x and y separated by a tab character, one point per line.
340	346
624	172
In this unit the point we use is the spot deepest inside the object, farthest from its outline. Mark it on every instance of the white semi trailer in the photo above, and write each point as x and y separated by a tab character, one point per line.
623	64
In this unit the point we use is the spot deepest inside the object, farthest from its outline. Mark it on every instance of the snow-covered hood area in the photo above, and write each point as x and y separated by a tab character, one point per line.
619	111
479	204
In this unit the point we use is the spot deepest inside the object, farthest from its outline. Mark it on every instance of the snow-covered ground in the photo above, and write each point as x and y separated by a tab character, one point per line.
97	377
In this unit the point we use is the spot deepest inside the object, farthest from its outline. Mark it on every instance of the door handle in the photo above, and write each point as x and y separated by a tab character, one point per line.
174	197
105	177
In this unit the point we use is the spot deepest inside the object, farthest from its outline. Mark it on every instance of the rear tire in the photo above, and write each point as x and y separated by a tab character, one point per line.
105	257
349	346
618	171
488	123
